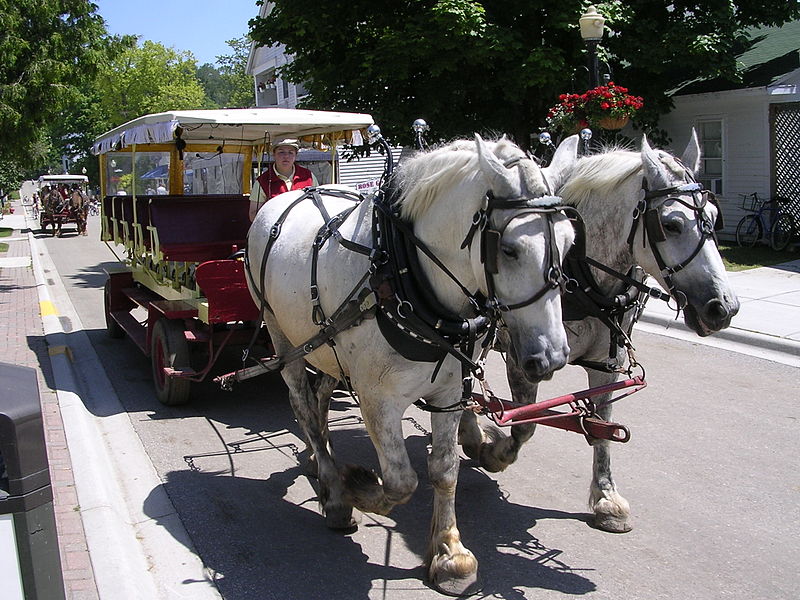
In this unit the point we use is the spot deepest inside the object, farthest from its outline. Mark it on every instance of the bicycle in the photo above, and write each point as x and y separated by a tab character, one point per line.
767	217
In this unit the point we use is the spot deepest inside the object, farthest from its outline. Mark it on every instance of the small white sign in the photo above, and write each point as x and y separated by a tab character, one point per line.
367	187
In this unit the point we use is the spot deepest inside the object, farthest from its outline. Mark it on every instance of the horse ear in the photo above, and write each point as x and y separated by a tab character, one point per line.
565	157
654	171
505	183
691	156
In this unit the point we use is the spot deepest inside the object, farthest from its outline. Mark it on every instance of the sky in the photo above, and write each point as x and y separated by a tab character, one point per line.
200	26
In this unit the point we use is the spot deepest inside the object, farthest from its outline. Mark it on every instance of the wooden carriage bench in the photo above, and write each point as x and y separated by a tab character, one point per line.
197	228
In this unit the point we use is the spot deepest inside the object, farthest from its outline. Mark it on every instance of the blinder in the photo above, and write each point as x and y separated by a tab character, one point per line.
652	223
490	250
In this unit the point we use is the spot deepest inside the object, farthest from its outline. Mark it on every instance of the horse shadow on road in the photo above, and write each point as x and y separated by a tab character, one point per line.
265	538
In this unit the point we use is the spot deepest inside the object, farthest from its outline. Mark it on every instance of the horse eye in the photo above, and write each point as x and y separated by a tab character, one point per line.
673	225
508	251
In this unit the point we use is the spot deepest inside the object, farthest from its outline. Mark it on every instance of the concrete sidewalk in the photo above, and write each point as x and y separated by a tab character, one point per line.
24	343
101	475
768	322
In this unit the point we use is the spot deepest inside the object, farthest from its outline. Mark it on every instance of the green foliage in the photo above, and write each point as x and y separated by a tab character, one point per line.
237	83
147	79
466	65
48	50
10	175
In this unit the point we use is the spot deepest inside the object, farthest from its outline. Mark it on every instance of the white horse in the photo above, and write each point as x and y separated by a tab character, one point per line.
441	192
613	191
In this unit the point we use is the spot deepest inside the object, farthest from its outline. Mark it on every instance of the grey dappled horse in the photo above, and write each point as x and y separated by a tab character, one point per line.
440	192
607	189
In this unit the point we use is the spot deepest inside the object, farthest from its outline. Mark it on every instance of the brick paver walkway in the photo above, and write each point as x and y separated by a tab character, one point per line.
22	342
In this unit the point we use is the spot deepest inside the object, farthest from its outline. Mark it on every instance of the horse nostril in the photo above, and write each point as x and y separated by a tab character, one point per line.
717	312
536	365
541	365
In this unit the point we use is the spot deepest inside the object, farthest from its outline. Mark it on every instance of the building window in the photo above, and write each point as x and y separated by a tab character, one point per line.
711	155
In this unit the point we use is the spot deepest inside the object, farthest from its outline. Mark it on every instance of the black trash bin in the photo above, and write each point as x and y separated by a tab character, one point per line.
26	496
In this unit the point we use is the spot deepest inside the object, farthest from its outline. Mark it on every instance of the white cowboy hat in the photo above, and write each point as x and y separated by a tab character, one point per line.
291	142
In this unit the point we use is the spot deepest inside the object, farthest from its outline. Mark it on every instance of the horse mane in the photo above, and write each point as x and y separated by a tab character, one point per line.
600	174
603	173
424	177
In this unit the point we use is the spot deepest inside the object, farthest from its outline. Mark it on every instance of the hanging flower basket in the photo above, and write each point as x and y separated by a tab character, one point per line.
613	122
606	106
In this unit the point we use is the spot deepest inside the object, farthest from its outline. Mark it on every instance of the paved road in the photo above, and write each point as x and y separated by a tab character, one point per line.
711	474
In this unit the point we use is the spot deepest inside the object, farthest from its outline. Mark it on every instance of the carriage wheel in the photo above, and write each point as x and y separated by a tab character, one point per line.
169	348
112	327
748	231
781	233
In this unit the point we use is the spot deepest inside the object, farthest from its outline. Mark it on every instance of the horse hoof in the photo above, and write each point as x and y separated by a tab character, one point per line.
341	519
460	587
612	524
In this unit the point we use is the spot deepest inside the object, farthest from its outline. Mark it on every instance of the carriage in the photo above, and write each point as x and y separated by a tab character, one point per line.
464	247
179	293
66	215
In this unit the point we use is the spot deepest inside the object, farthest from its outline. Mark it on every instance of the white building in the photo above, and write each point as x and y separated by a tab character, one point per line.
750	130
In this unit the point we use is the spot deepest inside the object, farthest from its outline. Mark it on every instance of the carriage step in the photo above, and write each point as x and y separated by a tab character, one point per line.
135	330
182	373
141	296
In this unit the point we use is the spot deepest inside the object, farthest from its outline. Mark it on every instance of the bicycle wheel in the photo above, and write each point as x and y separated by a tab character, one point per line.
781	232
748	231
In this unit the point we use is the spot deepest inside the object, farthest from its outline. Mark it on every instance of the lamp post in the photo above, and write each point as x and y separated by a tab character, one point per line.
591	23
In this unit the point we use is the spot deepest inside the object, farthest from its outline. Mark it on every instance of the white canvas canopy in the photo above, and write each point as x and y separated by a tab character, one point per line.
64	178
240	126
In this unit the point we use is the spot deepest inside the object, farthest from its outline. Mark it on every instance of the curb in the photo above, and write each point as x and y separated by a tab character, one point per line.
132	556
747	339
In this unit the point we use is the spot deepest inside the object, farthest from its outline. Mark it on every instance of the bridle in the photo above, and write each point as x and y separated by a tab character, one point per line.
491	239
647	211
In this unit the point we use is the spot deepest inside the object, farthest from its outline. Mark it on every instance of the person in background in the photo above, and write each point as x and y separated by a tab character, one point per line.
161	190
282	176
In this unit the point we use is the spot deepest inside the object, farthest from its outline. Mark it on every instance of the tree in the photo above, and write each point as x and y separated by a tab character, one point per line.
211	80
466	65
233	72
48	50
147	79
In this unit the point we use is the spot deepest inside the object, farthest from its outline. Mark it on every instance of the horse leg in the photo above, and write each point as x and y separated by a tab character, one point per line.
611	510
452	568
338	512
495	450
323	388
363	488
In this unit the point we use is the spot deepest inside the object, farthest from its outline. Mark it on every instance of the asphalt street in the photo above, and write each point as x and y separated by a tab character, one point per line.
710	473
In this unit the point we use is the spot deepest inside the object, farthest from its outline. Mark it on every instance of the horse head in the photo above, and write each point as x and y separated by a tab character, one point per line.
525	239
676	241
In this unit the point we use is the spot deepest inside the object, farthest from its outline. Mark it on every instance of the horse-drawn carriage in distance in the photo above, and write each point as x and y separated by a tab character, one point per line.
176	196
58	208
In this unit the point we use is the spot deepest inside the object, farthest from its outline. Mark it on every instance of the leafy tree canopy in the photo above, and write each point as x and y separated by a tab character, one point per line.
48	50
465	64
147	79
233	71
228	85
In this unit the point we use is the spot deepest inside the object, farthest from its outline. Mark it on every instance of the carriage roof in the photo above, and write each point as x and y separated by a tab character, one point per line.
240	126
64	178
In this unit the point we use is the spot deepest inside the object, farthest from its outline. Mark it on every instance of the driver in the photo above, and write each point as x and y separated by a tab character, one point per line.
283	176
